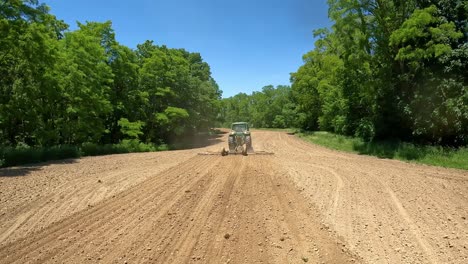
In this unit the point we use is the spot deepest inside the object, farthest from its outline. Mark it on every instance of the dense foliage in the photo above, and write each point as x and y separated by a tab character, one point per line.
61	87
389	69
384	69
270	108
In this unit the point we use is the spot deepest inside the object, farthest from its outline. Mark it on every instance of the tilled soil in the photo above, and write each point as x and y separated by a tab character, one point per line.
303	204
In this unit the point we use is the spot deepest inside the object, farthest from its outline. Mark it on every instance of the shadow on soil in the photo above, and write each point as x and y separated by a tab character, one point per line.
199	140
390	150
14	167
25	170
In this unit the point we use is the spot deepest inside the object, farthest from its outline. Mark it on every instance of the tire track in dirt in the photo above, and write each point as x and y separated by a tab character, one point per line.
413	228
132	224
182	215
93	221
303	203
71	193
214	247
338	189
432	227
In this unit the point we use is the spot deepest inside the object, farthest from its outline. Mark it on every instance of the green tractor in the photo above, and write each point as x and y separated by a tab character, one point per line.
239	140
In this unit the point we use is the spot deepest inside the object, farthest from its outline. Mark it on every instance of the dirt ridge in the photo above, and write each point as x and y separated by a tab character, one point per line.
304	203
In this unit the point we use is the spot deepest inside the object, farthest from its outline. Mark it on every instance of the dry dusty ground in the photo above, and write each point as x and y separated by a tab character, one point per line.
303	204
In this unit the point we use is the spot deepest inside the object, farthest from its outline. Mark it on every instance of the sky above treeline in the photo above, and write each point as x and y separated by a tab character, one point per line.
248	44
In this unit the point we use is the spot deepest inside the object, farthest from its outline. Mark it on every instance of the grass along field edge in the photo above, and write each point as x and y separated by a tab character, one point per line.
23	154
430	155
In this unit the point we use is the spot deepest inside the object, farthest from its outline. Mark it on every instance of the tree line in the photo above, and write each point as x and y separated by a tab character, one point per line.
72	87
272	107
389	69
385	69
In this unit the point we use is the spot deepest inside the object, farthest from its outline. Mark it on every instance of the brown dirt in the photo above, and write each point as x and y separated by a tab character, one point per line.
303	204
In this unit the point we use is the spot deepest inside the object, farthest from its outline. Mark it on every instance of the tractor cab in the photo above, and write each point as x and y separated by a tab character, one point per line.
240	127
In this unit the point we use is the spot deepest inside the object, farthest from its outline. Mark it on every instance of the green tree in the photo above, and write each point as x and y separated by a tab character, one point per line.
125	95
71	87
270	108
436	98
85	81
131	129
28	91
180	96
388	69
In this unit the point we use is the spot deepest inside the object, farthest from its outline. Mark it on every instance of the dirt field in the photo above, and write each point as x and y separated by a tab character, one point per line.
303	204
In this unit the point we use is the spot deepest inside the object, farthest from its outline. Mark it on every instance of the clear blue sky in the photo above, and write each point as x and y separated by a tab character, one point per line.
248	43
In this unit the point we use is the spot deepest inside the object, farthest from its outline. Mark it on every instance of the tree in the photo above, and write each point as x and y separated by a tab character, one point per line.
125	95
28	91
436	98
85	81
270	108
388	69
72	87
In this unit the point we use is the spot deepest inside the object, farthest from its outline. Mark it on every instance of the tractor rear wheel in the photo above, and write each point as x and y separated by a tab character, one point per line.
224	152
248	142
232	144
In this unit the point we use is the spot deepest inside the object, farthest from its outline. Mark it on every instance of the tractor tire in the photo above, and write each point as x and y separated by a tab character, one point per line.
248	142
224	152
232	144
